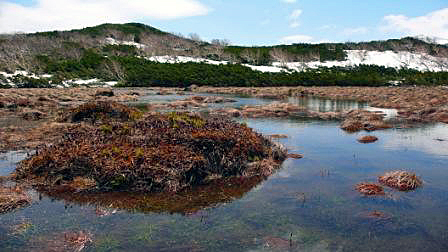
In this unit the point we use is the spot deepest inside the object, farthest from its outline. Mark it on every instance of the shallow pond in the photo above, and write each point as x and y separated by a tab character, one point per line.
308	205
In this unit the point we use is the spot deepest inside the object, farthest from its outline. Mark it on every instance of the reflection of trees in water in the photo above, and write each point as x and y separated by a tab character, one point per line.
188	201
327	105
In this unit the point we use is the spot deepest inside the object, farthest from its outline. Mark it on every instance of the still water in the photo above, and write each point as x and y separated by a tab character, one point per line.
308	205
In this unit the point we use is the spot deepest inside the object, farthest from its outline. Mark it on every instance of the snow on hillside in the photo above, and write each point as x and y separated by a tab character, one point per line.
67	83
111	41
421	62
183	59
25	73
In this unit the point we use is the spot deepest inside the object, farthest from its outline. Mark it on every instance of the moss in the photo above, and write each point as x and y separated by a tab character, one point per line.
139	152
106	129
177	118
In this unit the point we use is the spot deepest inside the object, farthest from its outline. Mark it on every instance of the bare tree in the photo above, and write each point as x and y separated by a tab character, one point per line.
220	42
280	55
195	37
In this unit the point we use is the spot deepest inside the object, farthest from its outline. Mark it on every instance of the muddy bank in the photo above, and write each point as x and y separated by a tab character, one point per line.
414	104
154	153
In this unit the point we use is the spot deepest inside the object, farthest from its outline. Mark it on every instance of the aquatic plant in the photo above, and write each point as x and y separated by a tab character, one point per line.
22	228
12	198
369	189
78	240
401	180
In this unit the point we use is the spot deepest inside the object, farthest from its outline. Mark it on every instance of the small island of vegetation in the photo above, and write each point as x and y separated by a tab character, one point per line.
117	148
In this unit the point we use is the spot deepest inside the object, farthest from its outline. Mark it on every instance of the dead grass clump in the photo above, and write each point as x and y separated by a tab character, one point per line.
12	198
357	120
351	125
295	156
82	183
104	92
367	139
157	153
369	189
101	111
401	180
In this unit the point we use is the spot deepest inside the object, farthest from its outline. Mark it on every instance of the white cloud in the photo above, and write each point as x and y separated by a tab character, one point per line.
353	31
289	1
294	18
434	24
68	14
296	39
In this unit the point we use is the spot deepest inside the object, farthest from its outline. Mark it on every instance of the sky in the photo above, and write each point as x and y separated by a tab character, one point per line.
242	22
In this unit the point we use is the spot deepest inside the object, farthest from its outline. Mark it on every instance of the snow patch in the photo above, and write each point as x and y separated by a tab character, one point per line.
111	41
184	59
266	69
26	74
91	82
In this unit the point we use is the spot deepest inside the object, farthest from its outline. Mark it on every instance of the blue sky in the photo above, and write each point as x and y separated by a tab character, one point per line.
244	22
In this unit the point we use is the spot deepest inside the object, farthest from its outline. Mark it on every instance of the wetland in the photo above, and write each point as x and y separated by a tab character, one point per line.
308	203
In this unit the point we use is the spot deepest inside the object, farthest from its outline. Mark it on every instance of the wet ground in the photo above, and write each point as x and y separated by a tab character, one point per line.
308	205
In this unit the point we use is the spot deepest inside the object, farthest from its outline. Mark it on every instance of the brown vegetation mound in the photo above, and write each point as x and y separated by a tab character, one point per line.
401	180
357	120
100	110
367	139
161	152
369	189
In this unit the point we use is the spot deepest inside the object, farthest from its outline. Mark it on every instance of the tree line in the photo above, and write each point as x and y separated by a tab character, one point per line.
121	63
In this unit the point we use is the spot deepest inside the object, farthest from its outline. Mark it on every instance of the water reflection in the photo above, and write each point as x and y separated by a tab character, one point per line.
187	202
326	105
9	159
432	139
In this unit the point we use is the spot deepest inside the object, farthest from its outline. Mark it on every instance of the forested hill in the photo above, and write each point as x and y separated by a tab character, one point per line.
109	52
